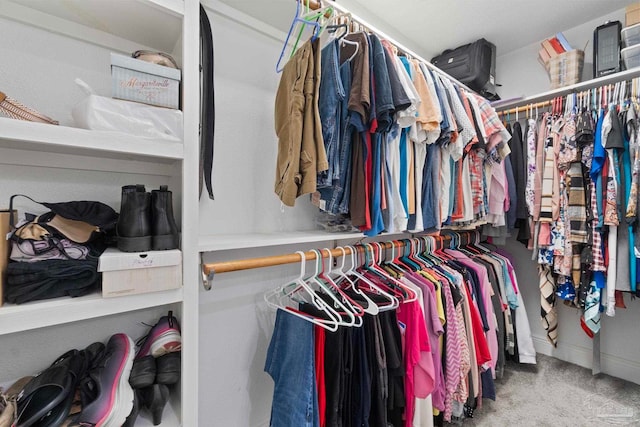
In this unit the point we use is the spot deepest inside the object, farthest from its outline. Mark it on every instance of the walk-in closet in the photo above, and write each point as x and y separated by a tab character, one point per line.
316	213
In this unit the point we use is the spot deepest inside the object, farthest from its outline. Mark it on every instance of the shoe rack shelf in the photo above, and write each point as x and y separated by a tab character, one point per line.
40	314
60	157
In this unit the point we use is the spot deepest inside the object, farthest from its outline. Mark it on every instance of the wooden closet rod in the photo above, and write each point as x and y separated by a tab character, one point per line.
210	269
316	4
527	107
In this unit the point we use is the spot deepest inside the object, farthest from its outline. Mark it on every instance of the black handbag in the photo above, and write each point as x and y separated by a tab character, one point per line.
470	64
79	221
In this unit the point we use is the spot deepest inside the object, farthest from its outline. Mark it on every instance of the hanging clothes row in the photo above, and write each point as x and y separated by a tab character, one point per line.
411	336
577	176
383	142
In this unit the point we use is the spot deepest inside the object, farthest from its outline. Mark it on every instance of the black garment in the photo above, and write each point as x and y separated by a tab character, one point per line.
519	165
207	109
346	407
334	378
614	139
522	223
511	214
395	367
361	381
33	281
377	367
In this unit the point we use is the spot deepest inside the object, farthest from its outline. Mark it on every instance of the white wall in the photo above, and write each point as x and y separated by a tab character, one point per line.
245	140
520	73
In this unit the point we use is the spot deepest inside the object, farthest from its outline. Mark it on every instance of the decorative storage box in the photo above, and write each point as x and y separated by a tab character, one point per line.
128	273
566	68
141	81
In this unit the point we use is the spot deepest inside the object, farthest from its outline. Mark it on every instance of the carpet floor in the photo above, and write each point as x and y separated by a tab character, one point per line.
554	393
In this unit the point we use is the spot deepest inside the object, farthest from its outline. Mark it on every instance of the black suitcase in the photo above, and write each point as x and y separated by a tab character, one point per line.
472	64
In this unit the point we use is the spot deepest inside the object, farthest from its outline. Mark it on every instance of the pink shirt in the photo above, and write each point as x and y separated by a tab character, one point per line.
417	357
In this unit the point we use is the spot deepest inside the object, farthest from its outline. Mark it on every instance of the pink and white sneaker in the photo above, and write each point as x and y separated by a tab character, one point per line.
164	337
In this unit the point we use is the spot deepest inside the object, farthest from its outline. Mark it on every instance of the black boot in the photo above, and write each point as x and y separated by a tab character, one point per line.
164	231
134	223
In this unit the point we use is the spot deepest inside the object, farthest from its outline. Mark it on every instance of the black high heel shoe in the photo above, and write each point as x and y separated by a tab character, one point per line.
154	398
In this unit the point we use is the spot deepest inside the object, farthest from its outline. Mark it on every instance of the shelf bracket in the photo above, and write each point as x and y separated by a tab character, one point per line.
207	279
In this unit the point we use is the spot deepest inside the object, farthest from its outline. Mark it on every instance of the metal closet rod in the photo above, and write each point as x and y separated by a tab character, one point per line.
316	4
210	269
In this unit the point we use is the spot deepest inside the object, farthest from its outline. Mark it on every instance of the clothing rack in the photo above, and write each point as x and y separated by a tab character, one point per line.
545	99
316	4
209	270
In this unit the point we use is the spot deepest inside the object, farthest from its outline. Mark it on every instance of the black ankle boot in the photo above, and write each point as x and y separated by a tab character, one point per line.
164	231
154	398
134	223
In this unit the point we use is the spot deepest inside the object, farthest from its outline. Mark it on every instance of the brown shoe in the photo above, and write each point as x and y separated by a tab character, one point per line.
8	399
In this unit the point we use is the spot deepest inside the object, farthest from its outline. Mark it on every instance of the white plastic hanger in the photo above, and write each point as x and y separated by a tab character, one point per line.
351	305
376	255
371	307
393	301
338	306
276	299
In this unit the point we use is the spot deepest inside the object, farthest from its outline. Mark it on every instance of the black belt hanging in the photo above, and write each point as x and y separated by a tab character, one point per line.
207	103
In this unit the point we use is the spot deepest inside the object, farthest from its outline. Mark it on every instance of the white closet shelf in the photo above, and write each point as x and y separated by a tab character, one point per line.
222	242
22	135
574	88
40	314
120	24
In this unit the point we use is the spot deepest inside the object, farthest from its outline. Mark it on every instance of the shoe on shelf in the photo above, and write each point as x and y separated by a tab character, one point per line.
7	412
88	389
168	368
114	395
164	337
8	399
154	399
133	416
47	398
164	231
134	222
143	373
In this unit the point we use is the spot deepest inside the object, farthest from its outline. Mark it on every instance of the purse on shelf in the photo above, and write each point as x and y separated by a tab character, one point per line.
158	58
16	110
65	232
